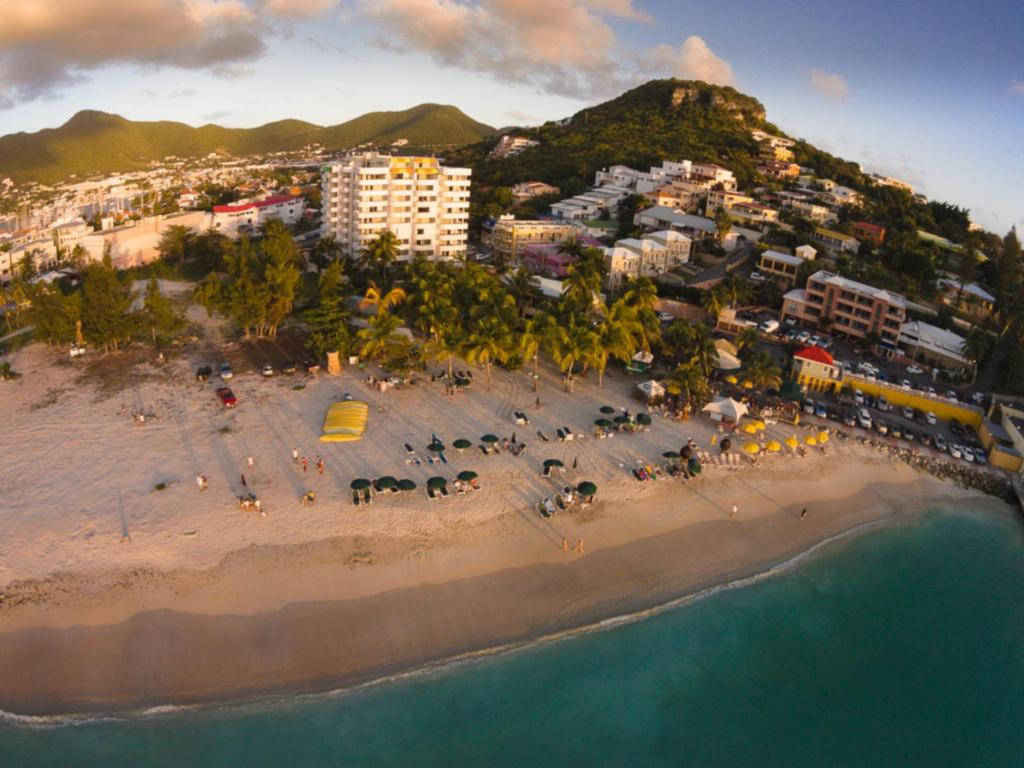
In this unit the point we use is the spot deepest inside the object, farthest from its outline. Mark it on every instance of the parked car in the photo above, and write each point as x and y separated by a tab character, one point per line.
914	370
858	397
802	337
769	326
267	370
821	411
204	372
930	418
930	390
757	277
979	456
850	419
790	321
881	427
227	397
311	366
77	350
895	430
956	427
826	343
978	398
289	367
940	444
809	406
865	367
968	453
864	418
955	452
791	334
908	412
883	404
226	372
908	434
666	317
952	395
814	341
905	383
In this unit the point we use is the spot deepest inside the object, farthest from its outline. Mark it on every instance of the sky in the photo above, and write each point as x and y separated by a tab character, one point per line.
930	91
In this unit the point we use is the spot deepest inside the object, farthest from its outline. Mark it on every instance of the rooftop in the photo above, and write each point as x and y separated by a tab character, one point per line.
817	354
833	234
785	258
894	299
264	203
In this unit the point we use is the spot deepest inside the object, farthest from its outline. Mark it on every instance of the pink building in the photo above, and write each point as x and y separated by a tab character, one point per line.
547	258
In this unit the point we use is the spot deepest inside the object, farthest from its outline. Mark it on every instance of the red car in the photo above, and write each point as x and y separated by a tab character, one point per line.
227	397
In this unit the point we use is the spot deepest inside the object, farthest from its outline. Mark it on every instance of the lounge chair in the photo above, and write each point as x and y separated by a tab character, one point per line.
444	459
431	494
561	434
542	436
559	502
366	497
445	492
355	498
568	433
546	472
484	449
409	450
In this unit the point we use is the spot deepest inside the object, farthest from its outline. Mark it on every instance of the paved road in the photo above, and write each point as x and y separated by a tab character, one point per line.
714	275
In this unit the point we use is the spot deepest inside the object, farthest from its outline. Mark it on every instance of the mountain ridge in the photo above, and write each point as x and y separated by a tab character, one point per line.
93	142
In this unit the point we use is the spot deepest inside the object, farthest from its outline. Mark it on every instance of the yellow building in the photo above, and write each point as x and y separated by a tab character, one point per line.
511	235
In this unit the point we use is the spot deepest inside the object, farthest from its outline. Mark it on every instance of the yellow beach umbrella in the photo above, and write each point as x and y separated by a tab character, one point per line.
750	428
792	442
751	447
731	379
774	446
822	437
811	440
714	438
748	384
760	424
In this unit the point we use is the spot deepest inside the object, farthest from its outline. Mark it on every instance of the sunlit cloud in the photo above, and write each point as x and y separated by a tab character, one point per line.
832	86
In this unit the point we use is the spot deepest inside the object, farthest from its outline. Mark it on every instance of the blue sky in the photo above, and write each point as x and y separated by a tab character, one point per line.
932	92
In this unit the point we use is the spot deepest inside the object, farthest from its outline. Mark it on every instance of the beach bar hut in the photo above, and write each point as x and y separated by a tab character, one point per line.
650	391
640	362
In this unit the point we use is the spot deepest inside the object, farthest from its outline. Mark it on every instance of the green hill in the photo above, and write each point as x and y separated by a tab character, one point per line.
93	142
661	119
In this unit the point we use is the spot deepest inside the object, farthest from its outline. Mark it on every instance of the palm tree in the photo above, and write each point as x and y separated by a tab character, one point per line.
746	340
688	380
524	288
763	371
537	335
723	224
580	286
571	344
381	302
380	338
702	351
490	343
713	301
977	344
736	289
447	342
614	336
641	293
381	252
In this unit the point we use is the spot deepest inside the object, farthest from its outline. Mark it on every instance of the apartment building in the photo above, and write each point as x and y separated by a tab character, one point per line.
510	236
770	152
643	182
775	170
598	202
649	256
837	241
847	307
524	190
872	233
510	146
754	213
782	267
969	300
683	195
425	204
713	172
249	215
724	198
69	234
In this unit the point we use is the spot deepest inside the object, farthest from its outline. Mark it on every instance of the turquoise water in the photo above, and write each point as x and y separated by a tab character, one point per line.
904	647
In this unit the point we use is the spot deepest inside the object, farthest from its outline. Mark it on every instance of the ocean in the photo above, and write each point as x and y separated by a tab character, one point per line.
901	647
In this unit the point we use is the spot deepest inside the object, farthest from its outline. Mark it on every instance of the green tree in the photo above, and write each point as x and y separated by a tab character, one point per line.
688	381
175	243
326	251
723	225
106	305
380	254
571	345
763	371
327	319
537	335
713	301
159	314
746	340
490	342
280	278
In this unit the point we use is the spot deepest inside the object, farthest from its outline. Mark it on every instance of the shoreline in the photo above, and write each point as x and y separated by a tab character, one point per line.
160	658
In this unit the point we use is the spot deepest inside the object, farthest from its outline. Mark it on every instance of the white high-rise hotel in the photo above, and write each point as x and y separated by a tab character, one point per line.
424	203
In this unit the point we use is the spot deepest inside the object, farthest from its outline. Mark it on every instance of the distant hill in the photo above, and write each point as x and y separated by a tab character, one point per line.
94	142
662	119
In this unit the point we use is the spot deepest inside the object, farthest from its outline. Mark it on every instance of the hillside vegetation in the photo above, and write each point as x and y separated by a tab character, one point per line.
97	142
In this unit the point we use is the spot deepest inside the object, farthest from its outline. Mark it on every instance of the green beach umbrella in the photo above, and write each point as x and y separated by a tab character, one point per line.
643	418
386	482
553	463
359	484
466	475
406	485
671	454
587	488
607	409
462	444
436	482
489	438
604	423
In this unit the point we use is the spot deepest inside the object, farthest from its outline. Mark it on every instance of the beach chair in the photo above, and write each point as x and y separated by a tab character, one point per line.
355	498
546	472
431	495
484	449
366	497
568	433
560	434
409	450
559	502
445	492
444	459
542	436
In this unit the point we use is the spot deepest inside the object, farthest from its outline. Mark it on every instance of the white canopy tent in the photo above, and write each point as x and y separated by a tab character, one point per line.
650	390
725	409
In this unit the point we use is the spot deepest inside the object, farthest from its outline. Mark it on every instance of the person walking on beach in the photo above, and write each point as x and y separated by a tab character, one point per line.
249	461
537	403
305	464
244	484
565	544
734	510
803	513
579	546
320	464
295	455
201	482
259	508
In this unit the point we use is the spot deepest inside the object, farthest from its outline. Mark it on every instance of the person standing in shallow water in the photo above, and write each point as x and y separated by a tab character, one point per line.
803	513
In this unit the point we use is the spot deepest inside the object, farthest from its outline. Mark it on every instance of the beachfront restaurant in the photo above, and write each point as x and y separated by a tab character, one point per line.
815	370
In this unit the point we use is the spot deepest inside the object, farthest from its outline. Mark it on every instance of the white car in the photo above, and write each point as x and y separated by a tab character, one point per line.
883	404
814	341
267	370
866	367
940	444
952	395
908	412
968	453
858	397
802	337
769	326
864	418
665	317
757	277
914	370
905	383
809	406
226	372
930	418
954	451
77	351
826	343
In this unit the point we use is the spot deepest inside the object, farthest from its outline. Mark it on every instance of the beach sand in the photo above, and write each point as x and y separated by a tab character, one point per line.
120	596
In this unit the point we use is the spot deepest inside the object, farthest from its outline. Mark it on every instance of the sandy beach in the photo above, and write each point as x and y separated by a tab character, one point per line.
116	595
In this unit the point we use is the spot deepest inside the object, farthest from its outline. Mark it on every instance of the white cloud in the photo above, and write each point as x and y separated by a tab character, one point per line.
298	9
831	85
46	44
1017	86
564	47
693	60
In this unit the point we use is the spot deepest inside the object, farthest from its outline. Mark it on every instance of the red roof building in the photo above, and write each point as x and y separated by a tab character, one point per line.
817	354
865	230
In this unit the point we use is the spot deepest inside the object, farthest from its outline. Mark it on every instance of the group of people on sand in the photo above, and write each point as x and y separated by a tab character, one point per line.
577	548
